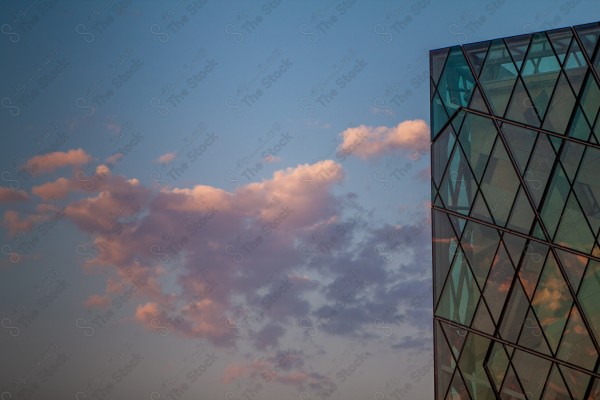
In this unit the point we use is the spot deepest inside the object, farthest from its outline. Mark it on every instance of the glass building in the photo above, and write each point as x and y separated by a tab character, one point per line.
516	214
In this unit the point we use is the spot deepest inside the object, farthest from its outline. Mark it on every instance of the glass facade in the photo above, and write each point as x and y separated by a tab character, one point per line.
515	184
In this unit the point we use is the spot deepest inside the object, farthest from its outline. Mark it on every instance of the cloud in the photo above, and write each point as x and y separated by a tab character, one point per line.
8	195
58	189
221	252
113	159
52	161
271	159
43	212
366	141
166	158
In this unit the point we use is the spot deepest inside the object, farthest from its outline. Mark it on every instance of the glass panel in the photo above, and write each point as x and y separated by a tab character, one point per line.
532	372
477	102
579	126
460	295
540	73
571	157
514	315
499	282
480	210
441	150
589	297
514	245
552	302
518	47
444	247
457	390
471	365
511	389
576	346
479	243
497	364
533	260
520	142
539	168
555	200
522	215
458	187
476	53
521	108
561	107
576	381
438	59
561	39
589	37
499	184
498	76
575	67
574	266
477	137
556	143
532	336
445	364
439	116
555	387
456	83
482	321
456	338
573	230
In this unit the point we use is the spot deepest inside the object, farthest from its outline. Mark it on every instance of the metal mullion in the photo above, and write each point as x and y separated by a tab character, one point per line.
486	360
520	347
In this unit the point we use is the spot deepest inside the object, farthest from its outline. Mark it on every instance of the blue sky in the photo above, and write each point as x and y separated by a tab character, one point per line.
207	199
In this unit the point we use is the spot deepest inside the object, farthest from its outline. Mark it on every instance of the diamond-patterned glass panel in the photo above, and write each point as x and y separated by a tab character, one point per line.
516	221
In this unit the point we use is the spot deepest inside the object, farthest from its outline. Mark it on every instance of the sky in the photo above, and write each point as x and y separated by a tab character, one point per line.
224	199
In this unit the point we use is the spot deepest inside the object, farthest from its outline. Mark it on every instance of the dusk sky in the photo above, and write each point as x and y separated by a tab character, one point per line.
224	199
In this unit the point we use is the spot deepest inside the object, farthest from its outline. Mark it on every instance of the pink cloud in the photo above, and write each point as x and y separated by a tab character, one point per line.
166	158
52	161
8	195
58	189
15	224
113	159
271	159
138	230
367	141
